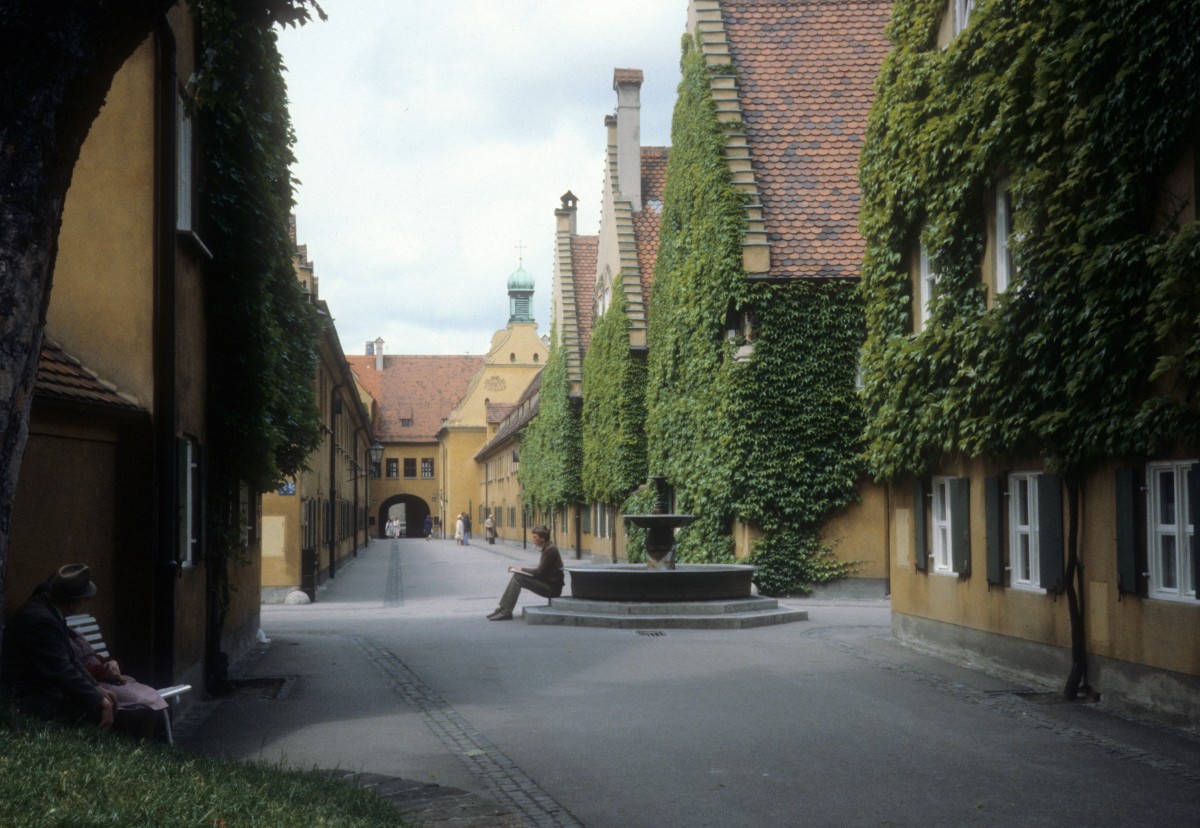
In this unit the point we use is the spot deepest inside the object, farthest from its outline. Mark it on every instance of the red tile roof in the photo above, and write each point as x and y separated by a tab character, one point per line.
60	376
646	221
805	74
583	270
423	389
498	411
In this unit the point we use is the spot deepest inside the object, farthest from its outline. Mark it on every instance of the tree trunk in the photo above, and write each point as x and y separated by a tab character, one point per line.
57	60
1077	682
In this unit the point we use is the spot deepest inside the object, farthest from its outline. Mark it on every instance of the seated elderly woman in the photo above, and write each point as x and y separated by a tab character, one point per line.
41	670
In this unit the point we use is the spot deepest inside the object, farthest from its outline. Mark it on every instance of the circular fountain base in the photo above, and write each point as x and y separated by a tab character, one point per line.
635	582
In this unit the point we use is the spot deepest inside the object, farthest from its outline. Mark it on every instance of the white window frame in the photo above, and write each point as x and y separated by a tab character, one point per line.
940	526
1024	560
1175	532
962	14
1005	271
926	279
190	504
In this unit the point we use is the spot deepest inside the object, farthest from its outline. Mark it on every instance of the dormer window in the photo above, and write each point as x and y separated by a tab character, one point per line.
926	280
1005	271
406	422
962	14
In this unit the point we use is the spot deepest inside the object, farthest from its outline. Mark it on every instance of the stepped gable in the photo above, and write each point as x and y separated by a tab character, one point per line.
647	220
583	269
805	73
61	376
423	389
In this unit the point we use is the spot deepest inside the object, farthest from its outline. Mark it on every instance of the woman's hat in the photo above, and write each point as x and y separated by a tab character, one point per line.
71	583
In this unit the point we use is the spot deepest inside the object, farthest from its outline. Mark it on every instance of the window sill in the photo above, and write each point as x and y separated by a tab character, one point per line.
1033	589
190	238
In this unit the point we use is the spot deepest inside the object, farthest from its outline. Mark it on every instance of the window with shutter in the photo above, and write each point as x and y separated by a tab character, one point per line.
959	489
920	526
1050	532
993	495
1131	551
1170	509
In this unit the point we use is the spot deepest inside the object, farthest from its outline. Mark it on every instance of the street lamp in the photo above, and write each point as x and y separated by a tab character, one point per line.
376	453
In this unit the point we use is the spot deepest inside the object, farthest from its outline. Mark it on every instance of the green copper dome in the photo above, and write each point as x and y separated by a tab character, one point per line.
520	280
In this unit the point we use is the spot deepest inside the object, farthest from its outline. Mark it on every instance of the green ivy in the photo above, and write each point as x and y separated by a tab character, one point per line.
551	450
1091	353
776	440
614	408
263	334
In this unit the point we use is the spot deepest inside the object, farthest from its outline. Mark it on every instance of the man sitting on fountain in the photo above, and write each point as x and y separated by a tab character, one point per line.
546	580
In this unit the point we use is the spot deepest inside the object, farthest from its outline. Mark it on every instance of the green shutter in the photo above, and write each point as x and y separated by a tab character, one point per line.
993	506
1050	532
920	527
1128	579
1193	480
960	525
200	499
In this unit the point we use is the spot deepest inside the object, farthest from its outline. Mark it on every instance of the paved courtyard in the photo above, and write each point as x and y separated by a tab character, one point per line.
395	674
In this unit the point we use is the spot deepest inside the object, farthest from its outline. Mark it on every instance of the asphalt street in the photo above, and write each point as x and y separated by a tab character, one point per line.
394	672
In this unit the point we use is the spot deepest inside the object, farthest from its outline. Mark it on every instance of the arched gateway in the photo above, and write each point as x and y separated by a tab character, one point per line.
415	510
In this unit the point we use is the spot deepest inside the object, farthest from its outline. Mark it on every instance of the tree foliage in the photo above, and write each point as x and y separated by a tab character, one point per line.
1092	351
614	408
774	440
263	333
551	451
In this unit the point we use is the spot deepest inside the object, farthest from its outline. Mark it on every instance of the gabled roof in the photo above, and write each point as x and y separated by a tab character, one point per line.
423	389
61	376
646	221
583	272
803	85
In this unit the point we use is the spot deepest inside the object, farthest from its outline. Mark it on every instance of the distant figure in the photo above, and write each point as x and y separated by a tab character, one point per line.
547	580
428	526
466	529
489	528
458	529
39	668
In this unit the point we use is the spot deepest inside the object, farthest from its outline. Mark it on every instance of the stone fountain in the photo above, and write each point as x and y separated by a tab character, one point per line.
662	594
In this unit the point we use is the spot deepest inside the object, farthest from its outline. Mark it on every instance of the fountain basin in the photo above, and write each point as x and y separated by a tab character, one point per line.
636	582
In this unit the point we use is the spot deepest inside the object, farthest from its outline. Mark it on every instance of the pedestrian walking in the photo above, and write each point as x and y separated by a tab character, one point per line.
458	529
489	529
428	526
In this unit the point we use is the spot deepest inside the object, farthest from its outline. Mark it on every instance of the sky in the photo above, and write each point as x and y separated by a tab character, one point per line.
434	139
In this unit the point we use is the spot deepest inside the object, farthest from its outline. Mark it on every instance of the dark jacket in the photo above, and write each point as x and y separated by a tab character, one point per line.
38	667
550	568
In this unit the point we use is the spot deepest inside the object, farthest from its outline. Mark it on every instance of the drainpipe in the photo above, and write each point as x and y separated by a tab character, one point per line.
335	408
164	562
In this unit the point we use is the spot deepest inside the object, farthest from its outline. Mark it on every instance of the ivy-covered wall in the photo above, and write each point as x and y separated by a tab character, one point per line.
551	450
1092	352
614	409
776	440
263	333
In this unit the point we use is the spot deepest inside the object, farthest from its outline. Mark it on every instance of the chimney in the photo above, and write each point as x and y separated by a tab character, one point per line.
565	215
376	347
628	84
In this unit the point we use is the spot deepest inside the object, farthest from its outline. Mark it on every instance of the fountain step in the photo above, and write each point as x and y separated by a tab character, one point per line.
704	615
717	607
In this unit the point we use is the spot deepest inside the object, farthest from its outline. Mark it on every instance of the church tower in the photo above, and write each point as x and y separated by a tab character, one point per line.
520	296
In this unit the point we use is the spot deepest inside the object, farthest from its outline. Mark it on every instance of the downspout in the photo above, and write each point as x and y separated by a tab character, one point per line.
165	516
335	408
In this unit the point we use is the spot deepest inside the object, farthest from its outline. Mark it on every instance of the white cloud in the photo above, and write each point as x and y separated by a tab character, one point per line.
435	137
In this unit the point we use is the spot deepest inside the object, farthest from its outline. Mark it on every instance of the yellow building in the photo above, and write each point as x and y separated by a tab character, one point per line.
114	473
413	395
500	490
320	517
516	355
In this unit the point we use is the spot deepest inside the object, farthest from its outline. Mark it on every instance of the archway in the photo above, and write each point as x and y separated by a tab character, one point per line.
409	508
